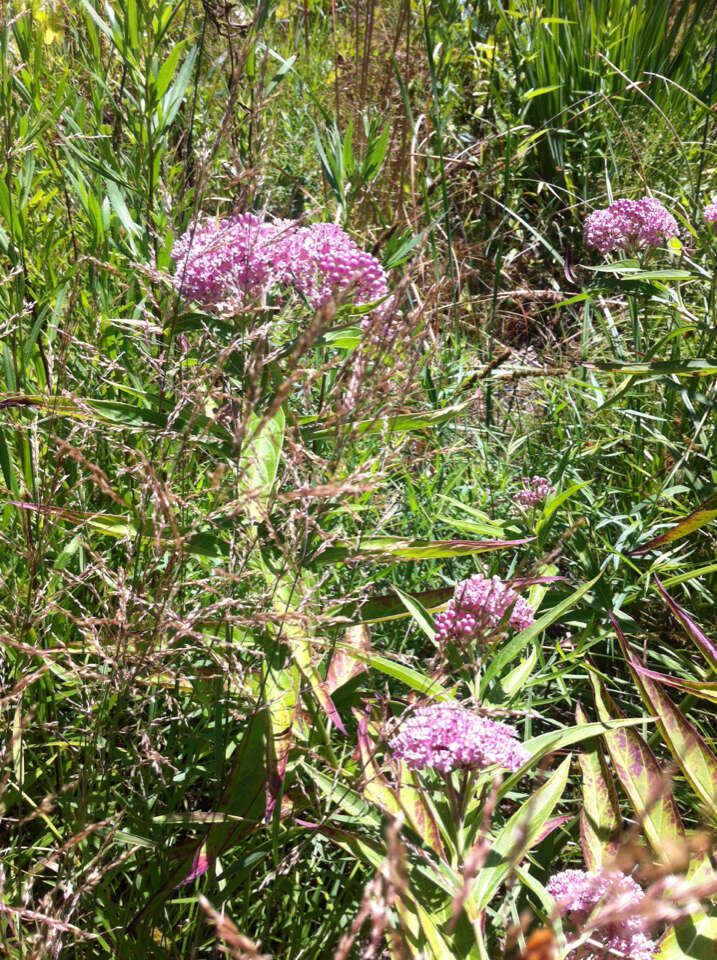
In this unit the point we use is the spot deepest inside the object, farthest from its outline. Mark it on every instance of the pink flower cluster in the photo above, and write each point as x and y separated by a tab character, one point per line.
711	214
592	898
224	264
479	604
449	737
630	224
535	490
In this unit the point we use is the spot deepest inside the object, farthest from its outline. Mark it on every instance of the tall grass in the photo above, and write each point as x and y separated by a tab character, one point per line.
220	577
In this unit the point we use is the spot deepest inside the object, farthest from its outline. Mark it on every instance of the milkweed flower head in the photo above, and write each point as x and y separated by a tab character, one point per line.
447	736
478	605
226	264
584	897
711	214
535	490
630	225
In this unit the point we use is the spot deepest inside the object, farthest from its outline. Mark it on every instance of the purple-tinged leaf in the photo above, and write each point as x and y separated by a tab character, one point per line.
706	690
703	643
694	757
343	666
706	512
647	789
551	825
200	865
600	821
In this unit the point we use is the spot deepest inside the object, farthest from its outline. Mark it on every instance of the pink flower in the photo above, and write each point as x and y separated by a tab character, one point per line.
630	224
711	214
535	490
225	264
478	605
449	737
590	900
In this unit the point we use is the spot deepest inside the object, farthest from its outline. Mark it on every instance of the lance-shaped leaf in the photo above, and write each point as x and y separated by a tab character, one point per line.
689	749
294	635
707	647
400	548
281	691
600	813
661	368
693	938
706	512
513	841
409	799
378	609
642	780
259	461
698	688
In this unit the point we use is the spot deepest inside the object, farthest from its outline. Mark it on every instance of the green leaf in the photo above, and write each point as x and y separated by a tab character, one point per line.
660	368
515	839
259	461
512	649
400	548
419	614
691	939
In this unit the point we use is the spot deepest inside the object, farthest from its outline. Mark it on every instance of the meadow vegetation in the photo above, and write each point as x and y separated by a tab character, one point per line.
350	601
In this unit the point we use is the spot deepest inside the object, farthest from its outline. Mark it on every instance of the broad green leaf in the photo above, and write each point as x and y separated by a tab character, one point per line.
259	461
285	595
707	647
400	548
705	513
693	938
636	767
600	821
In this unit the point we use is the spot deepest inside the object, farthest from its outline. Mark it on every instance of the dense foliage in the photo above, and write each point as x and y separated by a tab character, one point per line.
359	475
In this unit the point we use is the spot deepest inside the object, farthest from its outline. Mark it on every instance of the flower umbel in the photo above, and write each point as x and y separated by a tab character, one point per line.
448	737
225	264
630	225
711	214
535	490
607	901
478	605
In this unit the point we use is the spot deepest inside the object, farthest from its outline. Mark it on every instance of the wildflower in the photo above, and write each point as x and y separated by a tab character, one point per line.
535	490
711	214
592	899
223	264
630	224
479	604
449	737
